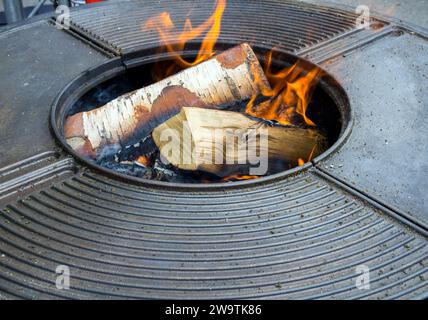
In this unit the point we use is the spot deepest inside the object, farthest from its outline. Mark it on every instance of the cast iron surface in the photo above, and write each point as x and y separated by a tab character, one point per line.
120	27
301	236
36	61
386	154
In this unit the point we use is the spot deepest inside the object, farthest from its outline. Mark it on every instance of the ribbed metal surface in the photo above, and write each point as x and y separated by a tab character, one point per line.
300	238
33	173
295	25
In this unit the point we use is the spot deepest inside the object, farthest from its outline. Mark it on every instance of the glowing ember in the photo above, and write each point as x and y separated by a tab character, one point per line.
301	162
145	161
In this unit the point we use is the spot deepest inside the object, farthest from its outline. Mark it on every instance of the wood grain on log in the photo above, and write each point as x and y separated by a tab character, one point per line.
227	78
226	142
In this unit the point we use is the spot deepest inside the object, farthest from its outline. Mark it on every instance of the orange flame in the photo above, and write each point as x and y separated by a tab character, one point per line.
174	41
237	177
290	94
145	161
301	162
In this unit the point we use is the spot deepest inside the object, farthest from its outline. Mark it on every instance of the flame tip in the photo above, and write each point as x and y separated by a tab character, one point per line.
167	31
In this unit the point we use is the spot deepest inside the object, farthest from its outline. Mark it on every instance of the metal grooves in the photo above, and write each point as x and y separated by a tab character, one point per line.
14	168
33	173
405	218
295	25
109	52
343	45
301	238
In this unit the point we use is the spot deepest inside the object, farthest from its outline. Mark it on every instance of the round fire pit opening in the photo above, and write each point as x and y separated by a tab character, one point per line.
328	108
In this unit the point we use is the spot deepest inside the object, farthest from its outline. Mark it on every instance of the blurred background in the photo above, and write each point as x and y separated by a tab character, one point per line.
12	11
415	11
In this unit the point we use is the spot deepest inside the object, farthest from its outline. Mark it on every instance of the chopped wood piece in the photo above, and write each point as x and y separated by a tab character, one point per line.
226	142
223	80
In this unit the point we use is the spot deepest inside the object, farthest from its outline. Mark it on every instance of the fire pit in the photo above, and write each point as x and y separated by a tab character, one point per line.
319	230
328	108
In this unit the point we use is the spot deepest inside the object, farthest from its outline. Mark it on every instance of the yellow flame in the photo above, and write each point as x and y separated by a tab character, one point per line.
301	162
174	40
290	94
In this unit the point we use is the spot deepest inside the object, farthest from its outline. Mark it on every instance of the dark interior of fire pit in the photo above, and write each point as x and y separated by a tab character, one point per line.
323	110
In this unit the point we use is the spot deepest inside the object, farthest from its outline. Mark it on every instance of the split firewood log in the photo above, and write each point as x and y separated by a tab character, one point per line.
227	142
227	78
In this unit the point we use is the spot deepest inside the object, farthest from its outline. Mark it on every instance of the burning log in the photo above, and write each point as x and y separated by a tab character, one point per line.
223	80
226	142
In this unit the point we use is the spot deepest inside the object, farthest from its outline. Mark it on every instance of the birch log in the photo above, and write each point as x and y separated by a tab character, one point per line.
226	78
226	142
